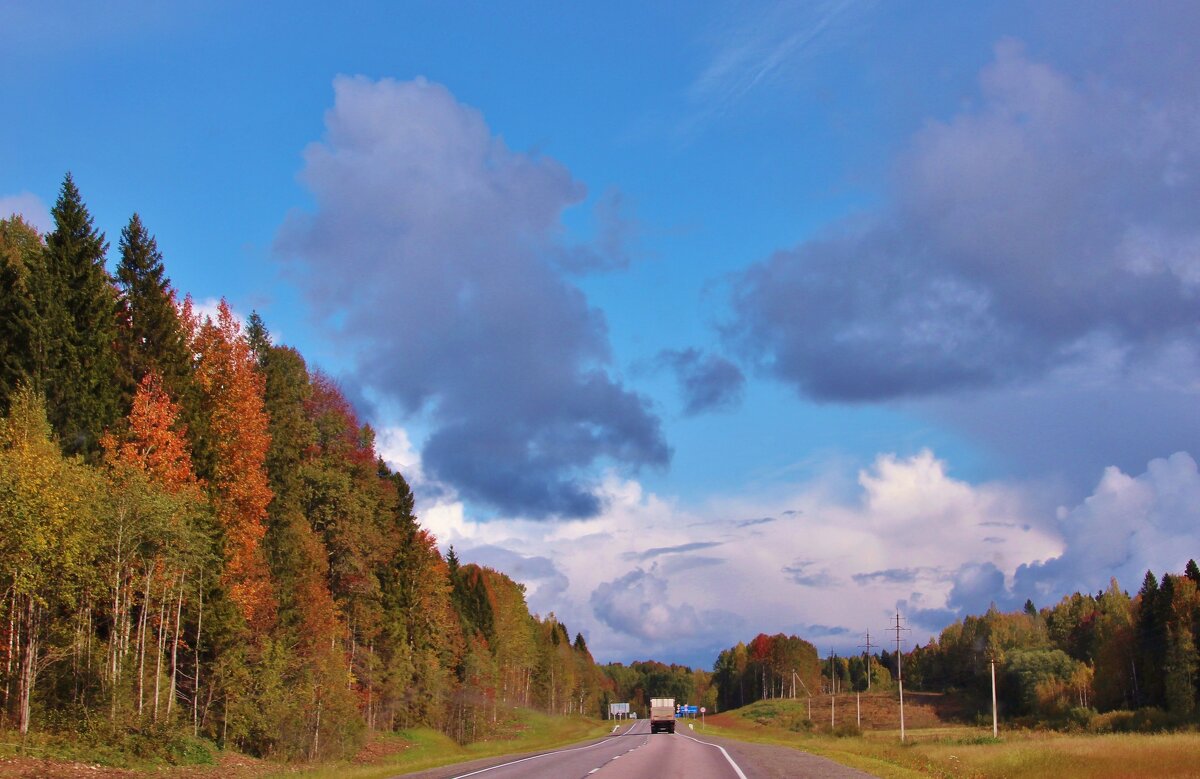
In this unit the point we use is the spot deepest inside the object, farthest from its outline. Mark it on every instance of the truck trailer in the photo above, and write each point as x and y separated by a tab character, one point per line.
662	715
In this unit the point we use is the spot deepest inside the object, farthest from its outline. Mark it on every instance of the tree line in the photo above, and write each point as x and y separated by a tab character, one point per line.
198	536
1084	655
1066	664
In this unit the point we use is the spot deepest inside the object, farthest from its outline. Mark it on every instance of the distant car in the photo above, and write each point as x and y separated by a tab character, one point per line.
662	715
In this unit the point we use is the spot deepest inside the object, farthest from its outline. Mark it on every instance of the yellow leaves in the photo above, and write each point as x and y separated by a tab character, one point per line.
46	502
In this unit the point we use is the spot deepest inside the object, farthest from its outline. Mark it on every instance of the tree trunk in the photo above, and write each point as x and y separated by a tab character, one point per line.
196	682
162	637
28	673
175	646
142	625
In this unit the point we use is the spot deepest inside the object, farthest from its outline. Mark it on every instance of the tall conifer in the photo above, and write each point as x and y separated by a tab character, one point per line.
81	382
151	338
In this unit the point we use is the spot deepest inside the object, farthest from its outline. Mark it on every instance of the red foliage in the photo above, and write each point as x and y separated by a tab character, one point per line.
228	376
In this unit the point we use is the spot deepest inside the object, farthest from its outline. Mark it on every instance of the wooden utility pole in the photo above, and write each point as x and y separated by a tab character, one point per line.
900	670
868	645
995	717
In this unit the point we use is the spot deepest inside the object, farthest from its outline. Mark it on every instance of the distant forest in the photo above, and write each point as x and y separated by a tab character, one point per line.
198	537
1060	665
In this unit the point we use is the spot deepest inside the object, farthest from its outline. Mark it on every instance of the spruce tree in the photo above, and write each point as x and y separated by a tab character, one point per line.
82	389
150	336
1151	640
22	357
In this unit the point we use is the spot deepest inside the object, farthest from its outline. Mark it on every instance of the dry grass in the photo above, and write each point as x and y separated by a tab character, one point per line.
945	749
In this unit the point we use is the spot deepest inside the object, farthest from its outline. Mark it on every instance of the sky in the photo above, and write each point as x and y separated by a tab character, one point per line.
700	320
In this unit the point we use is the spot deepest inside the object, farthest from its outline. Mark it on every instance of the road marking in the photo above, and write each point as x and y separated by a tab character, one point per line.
536	757
734	765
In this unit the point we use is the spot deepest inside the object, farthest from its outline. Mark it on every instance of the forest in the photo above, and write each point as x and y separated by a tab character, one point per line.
198	538
1064	665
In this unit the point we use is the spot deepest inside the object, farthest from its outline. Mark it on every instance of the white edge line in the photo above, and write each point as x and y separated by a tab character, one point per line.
736	770
556	752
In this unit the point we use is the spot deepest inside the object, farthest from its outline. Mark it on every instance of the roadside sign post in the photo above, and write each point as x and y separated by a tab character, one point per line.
702	710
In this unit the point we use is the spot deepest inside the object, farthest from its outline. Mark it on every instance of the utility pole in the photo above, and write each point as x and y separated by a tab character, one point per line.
900	670
868	645
995	718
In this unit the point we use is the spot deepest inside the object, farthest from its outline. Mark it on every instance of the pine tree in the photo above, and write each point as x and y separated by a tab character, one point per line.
82	388
1192	572
21	271
151	337
1151	639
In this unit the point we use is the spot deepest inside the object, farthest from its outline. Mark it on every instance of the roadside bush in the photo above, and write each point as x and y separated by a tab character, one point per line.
1140	721
846	730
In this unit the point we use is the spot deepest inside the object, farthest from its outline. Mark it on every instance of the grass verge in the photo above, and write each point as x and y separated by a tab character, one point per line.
422	748
970	752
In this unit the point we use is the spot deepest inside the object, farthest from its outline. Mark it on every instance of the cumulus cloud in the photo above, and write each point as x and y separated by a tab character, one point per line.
30	207
709	382
434	252
643	579
1128	525
1052	221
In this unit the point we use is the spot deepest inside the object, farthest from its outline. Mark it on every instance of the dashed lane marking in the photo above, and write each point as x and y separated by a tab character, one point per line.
536	757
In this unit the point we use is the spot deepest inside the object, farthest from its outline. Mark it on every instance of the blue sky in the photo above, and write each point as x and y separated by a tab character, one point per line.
915	282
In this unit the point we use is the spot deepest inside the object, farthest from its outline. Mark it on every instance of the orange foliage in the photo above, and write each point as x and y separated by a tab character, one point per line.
228	376
155	442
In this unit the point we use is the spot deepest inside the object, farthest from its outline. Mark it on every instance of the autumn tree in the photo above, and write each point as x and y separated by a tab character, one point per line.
232	393
45	548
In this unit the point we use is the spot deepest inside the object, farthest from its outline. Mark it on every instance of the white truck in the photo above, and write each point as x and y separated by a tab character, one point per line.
662	715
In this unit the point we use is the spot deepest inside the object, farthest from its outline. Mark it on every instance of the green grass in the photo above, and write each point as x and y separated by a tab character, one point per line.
111	747
956	751
422	748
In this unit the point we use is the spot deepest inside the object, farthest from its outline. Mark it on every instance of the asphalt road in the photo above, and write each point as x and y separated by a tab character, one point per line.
633	753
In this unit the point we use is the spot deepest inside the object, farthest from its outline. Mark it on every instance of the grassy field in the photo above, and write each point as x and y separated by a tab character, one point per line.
417	750
946	749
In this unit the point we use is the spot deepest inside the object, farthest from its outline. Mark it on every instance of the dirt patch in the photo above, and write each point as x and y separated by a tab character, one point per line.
379	747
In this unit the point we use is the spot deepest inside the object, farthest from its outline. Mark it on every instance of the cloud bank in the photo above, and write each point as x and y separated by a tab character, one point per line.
436	253
1051	222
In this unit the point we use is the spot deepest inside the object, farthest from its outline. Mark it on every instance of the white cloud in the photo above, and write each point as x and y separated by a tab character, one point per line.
651	577
30	206
1128	525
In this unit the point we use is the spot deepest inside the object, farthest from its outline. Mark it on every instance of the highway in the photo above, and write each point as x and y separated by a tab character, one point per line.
631	752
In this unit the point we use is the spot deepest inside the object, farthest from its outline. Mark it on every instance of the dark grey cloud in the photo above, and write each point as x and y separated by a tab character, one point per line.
708	382
807	574
757	521
1053	221
822	631
889	576
659	551
433	253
